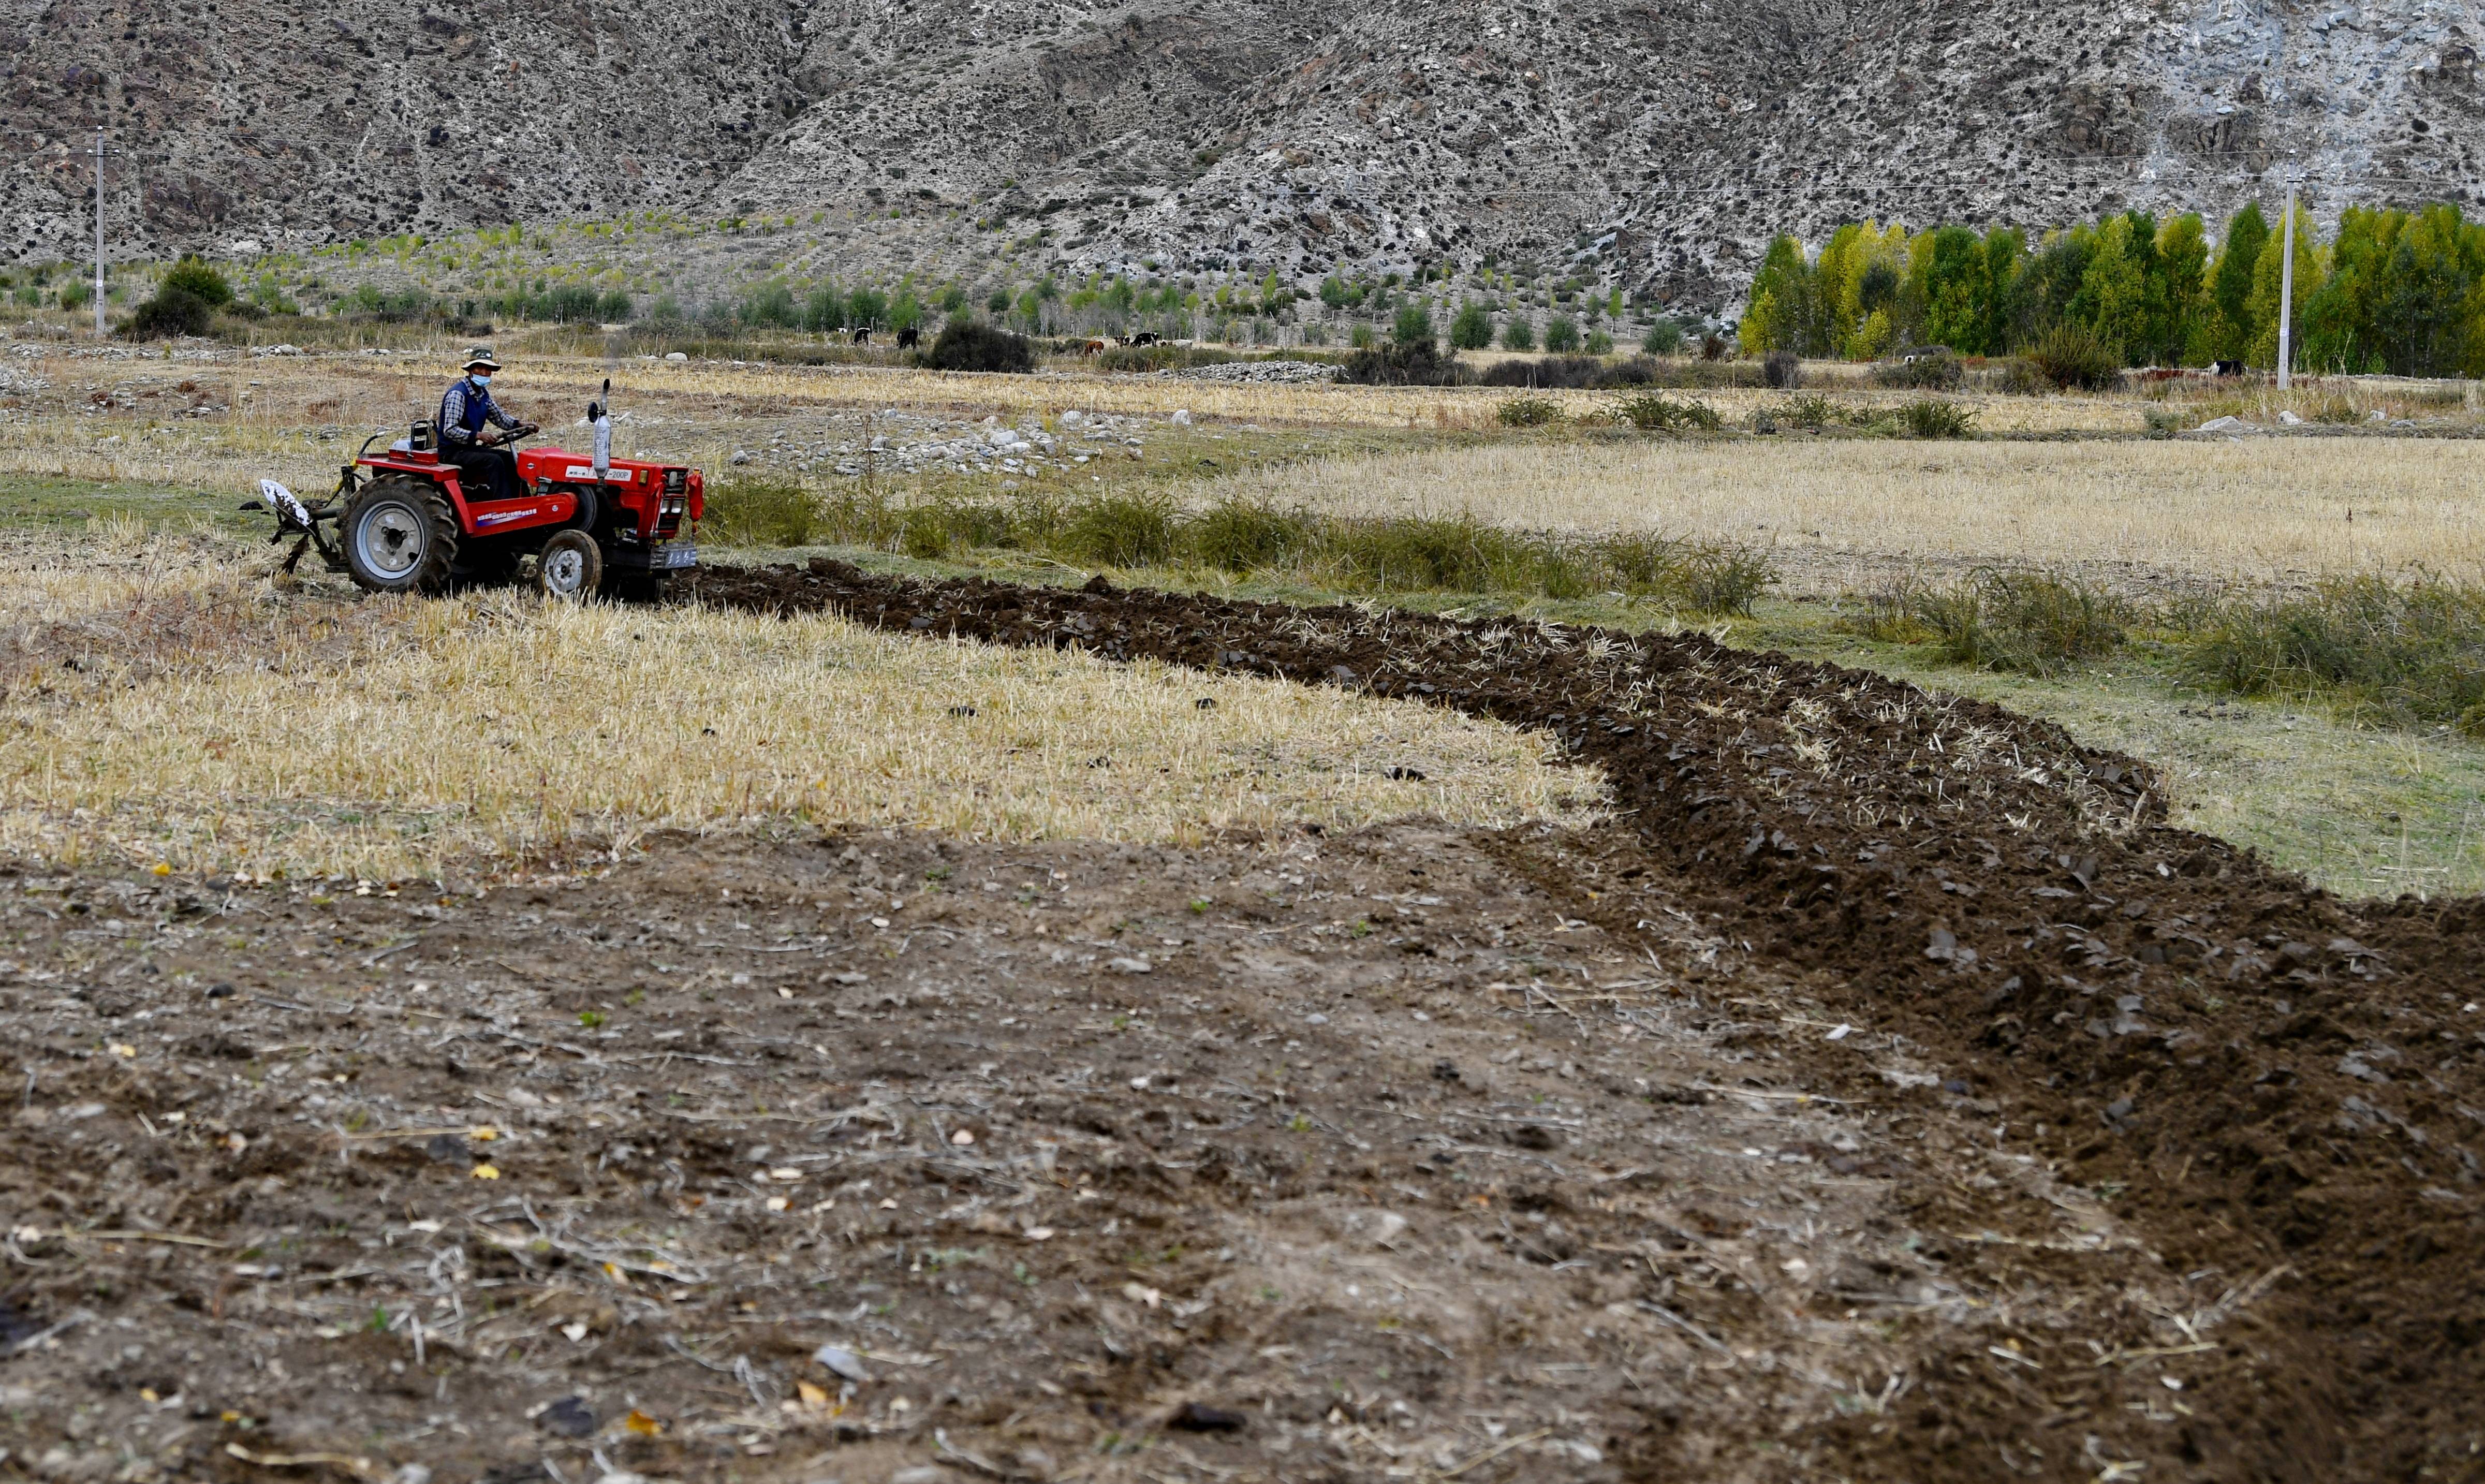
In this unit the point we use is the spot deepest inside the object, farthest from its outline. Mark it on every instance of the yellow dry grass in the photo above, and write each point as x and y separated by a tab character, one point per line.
2260	509
161	706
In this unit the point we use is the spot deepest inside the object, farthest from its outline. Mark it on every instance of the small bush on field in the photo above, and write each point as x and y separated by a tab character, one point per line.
1931	417
1243	536
1723	580
1663	338
1121	530
972	346
1412	554
170	312
201	280
943	528
1161	357
1529	412
2412	650
1663	414
1891	614
1472	329
2071	355
1783	370
2164	422
1548	372
1926	370
2021	377
1813	410
1409	364
760	512
2038	623
2334	409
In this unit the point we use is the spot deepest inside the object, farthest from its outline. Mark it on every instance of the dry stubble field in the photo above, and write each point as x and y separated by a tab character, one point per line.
513	1041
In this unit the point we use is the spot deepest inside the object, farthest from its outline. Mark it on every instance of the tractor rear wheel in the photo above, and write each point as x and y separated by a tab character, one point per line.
571	566
400	537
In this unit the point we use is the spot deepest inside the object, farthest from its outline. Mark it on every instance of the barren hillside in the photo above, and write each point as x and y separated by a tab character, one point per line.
1656	141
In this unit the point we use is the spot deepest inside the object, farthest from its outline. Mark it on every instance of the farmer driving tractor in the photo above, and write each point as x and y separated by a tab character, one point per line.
483	463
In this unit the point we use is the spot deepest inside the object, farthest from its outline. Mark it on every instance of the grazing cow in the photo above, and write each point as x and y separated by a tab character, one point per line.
1092	347
2230	368
862	337
909	338
1143	338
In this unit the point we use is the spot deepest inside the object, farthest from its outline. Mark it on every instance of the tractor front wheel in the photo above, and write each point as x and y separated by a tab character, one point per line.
571	566
400	537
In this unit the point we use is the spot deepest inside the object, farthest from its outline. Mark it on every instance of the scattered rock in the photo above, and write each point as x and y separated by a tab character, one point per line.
842	1362
1200	1418
568	1418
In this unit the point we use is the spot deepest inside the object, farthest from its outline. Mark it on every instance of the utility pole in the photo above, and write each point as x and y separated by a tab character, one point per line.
98	233
2286	289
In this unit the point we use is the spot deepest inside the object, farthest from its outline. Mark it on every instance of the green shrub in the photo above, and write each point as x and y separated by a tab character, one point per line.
199	279
1933	417
1121	530
2071	355
2165	422
1244	536
1401	363
614	308
1472	329
170	312
1782	370
947	526
2038	623
2411	651
1663	414
972	346
759	511
1413	326
1530	412
1599	343
1417	553
1723	579
1518	333
1935	370
576	304
1892	614
1663	338
1811	409
2021	377
1561	335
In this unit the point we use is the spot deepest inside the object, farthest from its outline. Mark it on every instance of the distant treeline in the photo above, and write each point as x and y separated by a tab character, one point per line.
2391	291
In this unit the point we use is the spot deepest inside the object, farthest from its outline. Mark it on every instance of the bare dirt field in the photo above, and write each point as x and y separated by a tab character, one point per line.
1884	1093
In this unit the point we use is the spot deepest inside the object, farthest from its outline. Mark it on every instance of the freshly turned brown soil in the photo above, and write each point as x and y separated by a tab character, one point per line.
1886	1093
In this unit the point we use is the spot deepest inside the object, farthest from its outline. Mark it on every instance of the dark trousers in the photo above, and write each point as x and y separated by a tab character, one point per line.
483	474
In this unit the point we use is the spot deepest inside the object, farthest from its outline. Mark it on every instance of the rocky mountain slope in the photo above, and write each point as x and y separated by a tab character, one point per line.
1649	143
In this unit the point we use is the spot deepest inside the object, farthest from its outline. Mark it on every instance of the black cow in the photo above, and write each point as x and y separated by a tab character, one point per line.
909	338
1143	338
2230	368
862	337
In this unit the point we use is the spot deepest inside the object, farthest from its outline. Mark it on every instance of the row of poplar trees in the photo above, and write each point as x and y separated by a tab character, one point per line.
2391	291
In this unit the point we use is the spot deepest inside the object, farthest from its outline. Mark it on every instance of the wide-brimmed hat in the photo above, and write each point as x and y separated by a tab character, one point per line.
480	355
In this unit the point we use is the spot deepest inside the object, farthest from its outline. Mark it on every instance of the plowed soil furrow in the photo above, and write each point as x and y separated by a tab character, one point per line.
2281	1090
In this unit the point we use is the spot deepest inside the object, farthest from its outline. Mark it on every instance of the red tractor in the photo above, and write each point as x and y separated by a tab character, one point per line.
591	523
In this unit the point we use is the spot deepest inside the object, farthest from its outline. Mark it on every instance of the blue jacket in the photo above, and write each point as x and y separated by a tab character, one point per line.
464	411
